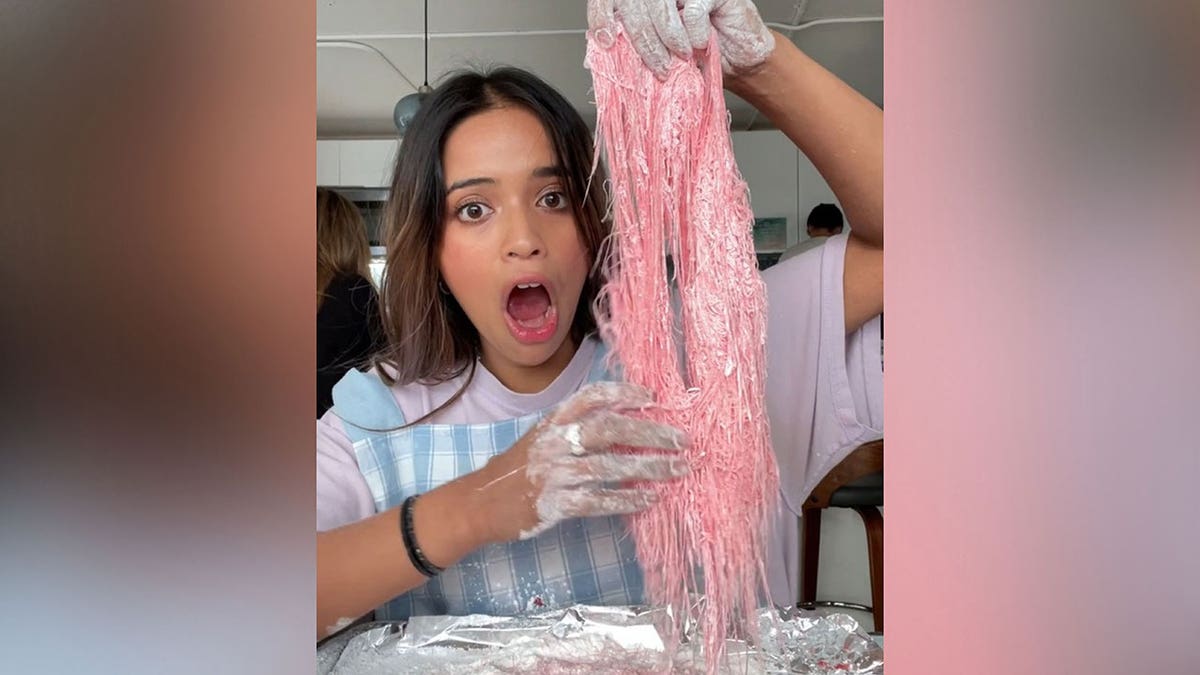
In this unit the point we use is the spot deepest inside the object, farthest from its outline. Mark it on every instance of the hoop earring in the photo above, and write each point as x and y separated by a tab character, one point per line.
442	288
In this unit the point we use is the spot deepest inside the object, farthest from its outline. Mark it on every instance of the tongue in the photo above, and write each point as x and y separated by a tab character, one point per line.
525	304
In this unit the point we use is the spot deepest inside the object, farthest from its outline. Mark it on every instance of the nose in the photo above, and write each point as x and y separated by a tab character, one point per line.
523	236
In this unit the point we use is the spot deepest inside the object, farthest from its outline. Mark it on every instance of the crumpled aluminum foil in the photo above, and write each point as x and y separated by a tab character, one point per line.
591	639
804	641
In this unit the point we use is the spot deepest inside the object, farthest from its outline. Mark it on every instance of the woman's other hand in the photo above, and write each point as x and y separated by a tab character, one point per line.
564	468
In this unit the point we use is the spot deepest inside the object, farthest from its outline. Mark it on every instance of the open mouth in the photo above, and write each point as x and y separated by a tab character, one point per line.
530	312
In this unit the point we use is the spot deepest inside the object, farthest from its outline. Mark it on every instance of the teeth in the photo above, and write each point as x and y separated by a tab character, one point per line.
532	285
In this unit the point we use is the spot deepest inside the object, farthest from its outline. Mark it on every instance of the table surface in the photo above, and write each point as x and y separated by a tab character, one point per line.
331	648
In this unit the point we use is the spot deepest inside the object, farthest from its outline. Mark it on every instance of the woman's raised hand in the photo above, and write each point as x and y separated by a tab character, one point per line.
659	28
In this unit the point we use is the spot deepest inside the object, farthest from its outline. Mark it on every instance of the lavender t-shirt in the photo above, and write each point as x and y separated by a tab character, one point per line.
824	398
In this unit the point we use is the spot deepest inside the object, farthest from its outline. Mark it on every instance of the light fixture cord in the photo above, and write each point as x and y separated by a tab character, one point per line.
426	43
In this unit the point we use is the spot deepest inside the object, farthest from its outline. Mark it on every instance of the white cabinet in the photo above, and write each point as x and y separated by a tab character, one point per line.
354	163
328	163
767	160
367	163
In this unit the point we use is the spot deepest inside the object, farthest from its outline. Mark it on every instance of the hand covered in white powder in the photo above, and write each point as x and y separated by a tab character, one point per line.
744	39
560	468
654	27
659	28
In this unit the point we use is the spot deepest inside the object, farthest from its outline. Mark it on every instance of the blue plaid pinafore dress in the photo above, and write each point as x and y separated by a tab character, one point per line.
583	560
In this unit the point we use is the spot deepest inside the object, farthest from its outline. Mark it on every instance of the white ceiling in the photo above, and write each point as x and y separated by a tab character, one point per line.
357	87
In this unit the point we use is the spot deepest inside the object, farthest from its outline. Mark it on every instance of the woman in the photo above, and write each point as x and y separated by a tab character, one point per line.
469	471
348	324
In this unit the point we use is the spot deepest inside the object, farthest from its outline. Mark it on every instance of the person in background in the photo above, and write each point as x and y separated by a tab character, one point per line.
824	221
348	322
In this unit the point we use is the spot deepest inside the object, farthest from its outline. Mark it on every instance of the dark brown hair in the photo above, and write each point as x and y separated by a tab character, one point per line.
826	218
430	339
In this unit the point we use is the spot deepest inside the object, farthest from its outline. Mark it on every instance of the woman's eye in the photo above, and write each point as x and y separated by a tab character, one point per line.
554	200
473	212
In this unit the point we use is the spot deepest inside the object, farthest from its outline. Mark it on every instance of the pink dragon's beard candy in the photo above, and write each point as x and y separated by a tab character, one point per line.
676	191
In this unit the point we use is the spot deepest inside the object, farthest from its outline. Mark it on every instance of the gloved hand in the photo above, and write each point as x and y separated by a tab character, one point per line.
654	27
744	39
558	469
659	28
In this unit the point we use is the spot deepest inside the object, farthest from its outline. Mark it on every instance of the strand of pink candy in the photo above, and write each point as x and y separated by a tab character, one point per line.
675	188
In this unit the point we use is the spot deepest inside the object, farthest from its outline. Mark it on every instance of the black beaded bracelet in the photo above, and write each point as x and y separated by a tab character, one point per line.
415	554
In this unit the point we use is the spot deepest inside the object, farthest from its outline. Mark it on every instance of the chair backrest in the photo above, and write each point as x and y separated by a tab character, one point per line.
865	460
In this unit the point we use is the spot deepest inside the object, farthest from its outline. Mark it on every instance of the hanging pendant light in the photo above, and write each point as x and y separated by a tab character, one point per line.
407	107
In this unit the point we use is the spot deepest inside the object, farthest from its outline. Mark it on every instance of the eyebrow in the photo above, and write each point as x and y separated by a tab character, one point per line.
540	172
468	182
549	172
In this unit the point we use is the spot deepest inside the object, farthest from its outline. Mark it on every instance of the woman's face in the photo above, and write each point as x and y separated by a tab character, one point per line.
511	252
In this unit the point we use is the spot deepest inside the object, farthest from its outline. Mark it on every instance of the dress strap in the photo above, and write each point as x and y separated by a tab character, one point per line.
365	405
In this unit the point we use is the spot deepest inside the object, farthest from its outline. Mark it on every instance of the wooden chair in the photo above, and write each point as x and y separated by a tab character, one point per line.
856	483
